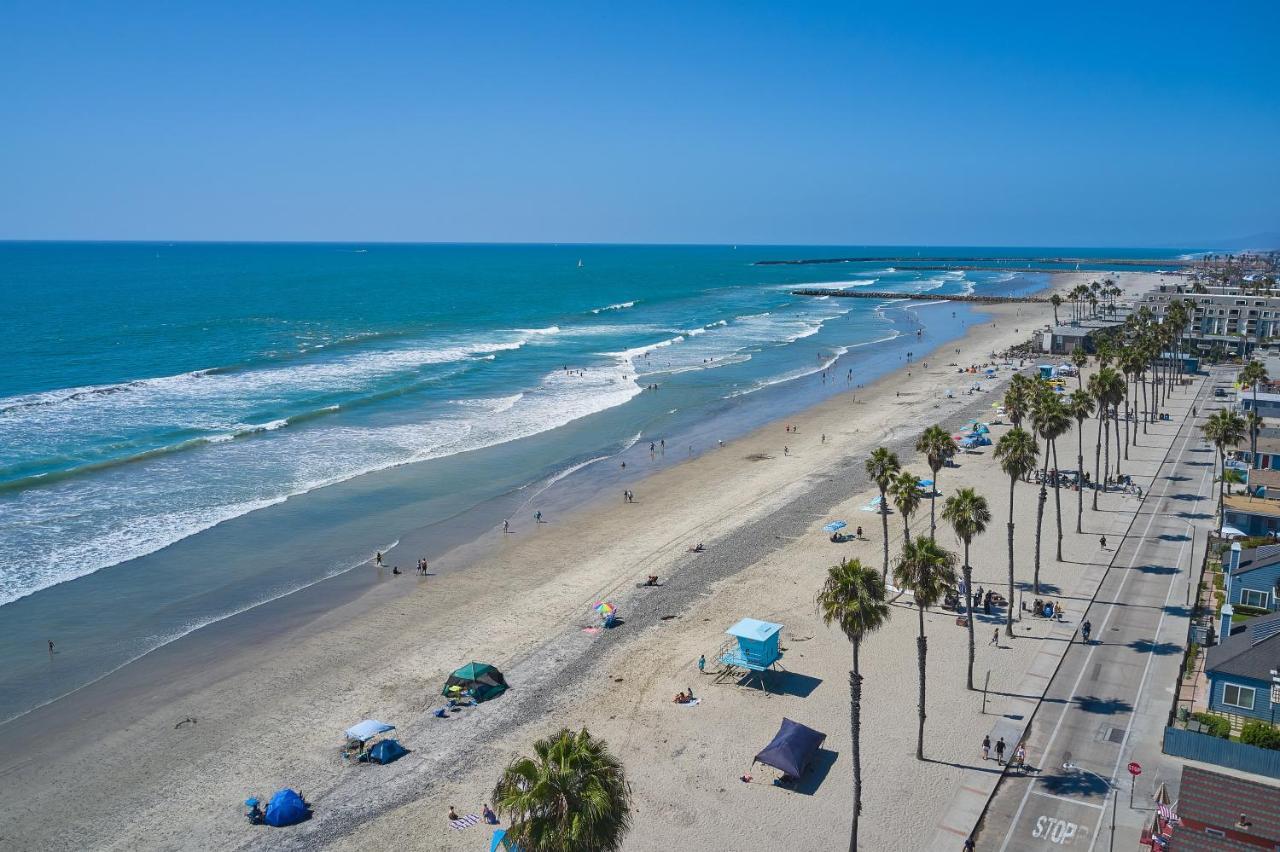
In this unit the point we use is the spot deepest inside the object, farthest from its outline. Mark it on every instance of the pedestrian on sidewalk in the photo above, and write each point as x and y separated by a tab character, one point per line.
1020	757
1103	542
1000	751
995	638
986	747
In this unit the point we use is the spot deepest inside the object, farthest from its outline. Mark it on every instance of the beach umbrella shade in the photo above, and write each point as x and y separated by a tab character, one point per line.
605	608
924	483
835	526
250	802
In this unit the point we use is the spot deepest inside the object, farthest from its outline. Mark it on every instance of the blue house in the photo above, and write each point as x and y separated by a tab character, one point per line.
1240	669
1252	576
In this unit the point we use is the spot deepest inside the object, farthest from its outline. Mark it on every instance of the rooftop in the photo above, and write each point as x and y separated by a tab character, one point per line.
1219	800
1251	653
1253	558
1252	506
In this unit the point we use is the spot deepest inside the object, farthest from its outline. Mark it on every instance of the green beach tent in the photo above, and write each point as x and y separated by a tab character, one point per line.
482	679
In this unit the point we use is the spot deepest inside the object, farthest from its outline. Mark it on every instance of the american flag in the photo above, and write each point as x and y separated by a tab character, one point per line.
1168	813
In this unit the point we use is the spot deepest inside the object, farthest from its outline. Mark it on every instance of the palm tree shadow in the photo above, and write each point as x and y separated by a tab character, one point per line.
1103	706
1146	646
994	770
1070	784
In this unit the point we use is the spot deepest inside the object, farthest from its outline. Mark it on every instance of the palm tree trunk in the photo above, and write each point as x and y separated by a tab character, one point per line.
1253	432
1097	457
933	499
1080	476
1128	416
884	522
855	729
1222	481
1042	499
1106	458
1148	409
1057	496
1008	621
1115	417
922	648
906	528
968	608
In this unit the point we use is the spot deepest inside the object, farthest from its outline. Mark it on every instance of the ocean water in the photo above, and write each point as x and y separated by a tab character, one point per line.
186	430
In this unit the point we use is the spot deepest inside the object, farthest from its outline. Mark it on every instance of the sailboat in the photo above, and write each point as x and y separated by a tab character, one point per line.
579	263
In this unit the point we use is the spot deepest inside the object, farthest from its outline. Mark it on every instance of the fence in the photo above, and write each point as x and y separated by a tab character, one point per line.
1207	749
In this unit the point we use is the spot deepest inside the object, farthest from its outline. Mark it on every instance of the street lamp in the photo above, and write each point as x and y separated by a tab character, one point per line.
1071	767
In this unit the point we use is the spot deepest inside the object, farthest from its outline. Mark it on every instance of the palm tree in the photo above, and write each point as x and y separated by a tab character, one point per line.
853	599
937	446
1017	398
1056	301
882	467
1080	407
1017	451
905	491
1233	477
968	514
1223	429
927	570
1080	359
1049	420
571	795
1253	374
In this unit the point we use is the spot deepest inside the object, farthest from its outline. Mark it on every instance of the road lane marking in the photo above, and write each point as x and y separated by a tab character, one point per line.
1111	609
1070	801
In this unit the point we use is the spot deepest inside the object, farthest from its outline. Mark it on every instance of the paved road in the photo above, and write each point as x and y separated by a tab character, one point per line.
1109	699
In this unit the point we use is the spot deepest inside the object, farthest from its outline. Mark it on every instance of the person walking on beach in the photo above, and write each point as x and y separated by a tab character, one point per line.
50	647
986	747
702	663
1000	751
786	451
377	558
537	517
506	526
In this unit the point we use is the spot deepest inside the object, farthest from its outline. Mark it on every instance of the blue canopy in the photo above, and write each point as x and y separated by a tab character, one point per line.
286	808
387	751
792	748
835	526
500	841
368	729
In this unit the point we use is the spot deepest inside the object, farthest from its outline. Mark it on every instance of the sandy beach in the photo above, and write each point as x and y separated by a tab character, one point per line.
124	769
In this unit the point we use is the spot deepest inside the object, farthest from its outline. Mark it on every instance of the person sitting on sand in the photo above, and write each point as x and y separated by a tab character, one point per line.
651	580
489	816
680	698
453	815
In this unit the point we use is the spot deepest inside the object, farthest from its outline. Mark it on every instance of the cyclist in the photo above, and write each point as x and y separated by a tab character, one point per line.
1085	630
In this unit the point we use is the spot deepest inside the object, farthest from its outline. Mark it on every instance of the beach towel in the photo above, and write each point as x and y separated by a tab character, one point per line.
466	822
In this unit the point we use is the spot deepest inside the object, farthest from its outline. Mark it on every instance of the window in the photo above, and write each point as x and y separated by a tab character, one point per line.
1253	597
1234	695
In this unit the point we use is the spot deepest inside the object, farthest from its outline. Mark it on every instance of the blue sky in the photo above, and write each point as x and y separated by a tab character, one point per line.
743	122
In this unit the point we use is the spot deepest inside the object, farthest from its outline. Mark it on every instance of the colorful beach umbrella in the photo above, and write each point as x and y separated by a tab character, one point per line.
605	608
835	526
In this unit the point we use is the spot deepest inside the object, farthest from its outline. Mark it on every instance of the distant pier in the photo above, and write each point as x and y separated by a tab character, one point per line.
918	297
1024	263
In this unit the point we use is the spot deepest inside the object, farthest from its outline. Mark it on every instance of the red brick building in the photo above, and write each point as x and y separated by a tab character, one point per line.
1222	813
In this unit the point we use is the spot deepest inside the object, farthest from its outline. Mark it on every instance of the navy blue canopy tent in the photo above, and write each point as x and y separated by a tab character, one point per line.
792	748
387	751
286	808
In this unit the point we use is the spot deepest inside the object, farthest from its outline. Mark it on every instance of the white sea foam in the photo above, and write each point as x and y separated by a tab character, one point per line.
620	306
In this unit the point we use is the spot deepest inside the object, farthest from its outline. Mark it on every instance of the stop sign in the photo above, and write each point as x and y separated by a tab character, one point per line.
1135	769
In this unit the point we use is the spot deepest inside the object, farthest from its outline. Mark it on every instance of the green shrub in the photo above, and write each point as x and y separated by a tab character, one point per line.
1218	582
1249	611
1192	650
1260	734
1216	726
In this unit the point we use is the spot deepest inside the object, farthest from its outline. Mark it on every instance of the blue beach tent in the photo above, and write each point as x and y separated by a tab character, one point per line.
286	808
387	751
792	748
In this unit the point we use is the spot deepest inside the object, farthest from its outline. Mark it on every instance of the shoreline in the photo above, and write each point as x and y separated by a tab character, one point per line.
374	636
294	535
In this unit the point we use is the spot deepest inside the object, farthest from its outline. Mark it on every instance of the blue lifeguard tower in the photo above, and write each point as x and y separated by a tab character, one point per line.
750	652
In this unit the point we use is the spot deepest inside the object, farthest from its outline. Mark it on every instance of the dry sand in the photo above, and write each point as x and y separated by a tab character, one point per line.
125	777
